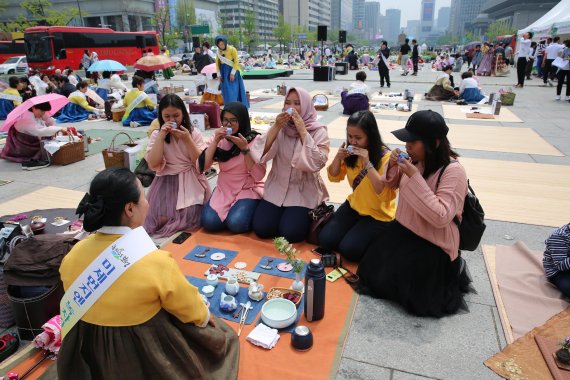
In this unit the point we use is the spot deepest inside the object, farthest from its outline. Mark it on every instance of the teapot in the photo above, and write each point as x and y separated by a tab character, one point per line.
255	291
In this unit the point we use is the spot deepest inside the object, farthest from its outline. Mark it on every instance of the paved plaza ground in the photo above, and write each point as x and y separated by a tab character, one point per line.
385	342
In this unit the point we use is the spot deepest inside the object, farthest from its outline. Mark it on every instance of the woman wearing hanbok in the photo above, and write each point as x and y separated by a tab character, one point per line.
140	109
78	108
486	67
10	97
233	89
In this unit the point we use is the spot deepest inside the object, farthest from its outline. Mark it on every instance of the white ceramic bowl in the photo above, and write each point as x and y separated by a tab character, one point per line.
208	290
278	313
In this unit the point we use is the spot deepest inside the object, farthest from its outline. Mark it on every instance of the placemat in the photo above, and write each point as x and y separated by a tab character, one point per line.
274	271
201	248
241	297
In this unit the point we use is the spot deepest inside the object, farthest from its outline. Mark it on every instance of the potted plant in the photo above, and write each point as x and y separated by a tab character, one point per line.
563	355
285	248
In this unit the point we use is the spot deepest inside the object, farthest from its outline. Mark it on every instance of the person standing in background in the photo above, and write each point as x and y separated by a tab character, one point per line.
404	56
551	52
415	56
508	55
540	55
530	62
86	62
383	68
524	56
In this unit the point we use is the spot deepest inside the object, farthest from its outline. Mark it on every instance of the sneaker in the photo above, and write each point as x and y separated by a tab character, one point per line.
557	97
550	82
35	165
567	99
134	124
388	85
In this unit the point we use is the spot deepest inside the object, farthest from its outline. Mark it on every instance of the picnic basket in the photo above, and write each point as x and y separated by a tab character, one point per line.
69	153
508	98
118	114
113	156
321	102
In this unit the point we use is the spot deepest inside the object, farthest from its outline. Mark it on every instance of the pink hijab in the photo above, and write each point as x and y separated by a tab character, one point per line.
308	113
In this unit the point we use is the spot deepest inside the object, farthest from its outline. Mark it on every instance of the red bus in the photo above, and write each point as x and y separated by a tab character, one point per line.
510	40
54	47
11	49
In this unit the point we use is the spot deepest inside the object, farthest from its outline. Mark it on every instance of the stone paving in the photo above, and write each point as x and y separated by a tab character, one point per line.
384	342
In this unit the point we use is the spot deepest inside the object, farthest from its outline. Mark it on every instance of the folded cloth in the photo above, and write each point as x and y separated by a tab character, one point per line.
53	146
263	336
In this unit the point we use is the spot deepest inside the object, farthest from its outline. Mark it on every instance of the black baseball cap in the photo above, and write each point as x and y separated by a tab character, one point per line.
423	125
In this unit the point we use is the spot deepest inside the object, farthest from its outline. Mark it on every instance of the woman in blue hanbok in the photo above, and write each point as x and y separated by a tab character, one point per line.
233	89
78	108
140	109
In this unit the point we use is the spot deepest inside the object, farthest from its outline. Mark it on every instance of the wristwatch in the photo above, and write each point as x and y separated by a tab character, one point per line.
245	151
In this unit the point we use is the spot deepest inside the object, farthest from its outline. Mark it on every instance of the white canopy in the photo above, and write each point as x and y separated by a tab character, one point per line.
555	22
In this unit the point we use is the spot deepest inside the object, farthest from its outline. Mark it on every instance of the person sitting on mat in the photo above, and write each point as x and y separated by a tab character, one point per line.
78	108
212	92
155	321
416	261
556	260
140	109
368	210
358	97
179	190
23	140
298	145
443	87
270	63
10	97
469	89
240	182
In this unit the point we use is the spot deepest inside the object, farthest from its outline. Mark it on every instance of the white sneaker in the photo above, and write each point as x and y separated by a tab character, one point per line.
557	97
134	124
567	99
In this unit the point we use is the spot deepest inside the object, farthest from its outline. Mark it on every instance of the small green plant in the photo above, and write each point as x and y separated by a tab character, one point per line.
565	344
286	248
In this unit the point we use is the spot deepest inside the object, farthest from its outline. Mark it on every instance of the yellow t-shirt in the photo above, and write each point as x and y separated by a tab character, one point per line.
153	283
364	199
12	91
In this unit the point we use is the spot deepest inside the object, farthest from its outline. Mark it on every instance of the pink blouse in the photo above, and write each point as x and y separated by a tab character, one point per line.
429	213
235	181
193	187
294	179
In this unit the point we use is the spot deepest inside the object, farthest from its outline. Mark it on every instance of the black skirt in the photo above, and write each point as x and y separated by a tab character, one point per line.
405	268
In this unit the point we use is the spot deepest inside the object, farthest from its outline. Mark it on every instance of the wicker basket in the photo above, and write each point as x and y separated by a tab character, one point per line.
69	153
118	114
508	99
321	106
114	157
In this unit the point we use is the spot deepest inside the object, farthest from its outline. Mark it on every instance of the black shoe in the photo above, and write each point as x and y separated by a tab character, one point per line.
35	165
388	86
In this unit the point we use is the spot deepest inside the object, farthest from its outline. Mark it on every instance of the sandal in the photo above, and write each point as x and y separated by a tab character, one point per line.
9	344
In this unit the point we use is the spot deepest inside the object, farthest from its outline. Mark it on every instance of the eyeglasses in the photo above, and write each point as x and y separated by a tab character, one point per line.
230	121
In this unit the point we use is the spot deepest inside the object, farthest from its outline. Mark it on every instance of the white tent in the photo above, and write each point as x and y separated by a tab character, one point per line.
555	22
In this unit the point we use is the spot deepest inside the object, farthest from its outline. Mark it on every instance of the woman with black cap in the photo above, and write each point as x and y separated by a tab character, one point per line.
240	182
416	262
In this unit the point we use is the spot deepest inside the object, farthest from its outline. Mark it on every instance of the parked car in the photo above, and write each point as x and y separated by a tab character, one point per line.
11	64
22	67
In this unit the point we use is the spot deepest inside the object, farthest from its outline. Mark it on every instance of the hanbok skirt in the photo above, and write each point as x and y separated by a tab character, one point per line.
207	97
141	115
405	268
163	219
472	96
232	91
161	348
21	147
6	106
73	113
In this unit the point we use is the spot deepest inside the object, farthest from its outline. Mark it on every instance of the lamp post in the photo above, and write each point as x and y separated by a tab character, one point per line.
80	16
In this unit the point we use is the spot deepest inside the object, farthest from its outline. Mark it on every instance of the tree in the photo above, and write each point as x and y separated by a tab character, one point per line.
185	13
250	31
282	31
161	21
499	28
231	33
41	12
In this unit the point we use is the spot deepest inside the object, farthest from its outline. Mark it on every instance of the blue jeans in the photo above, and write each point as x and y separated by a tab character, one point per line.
239	219
562	282
271	221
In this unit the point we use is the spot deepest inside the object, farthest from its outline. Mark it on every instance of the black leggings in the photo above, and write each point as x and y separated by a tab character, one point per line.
563	74
292	223
384	75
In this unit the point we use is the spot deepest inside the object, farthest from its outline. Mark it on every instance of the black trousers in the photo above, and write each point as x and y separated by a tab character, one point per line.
528	68
521	68
563	74
547	70
415	62
384	75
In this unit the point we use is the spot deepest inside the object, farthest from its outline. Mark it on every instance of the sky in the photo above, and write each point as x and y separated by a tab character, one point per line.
410	8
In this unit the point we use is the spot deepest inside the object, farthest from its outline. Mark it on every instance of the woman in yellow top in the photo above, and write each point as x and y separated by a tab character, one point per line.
10	97
227	64
78	108
151	323
372	205
140	110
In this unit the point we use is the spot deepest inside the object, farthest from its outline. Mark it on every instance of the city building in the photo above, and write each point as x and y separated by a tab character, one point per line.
266	15
517	14
426	21
358	15
412	28
443	16
463	14
341	14
205	11
309	13
393	17
371	24
122	15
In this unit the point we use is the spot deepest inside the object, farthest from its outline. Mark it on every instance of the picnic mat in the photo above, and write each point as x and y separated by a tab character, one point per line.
106	135
527	298
322	360
475	137
24	359
523	359
50	215
274	271
459	113
390	112
42	199
208	251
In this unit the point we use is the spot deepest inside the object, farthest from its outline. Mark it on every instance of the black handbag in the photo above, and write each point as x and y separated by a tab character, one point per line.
144	174
320	215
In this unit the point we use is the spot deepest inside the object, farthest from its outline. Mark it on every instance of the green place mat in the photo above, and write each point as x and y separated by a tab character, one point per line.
265	74
107	135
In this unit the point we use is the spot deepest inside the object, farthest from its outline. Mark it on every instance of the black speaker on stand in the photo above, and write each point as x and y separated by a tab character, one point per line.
342	39
322	37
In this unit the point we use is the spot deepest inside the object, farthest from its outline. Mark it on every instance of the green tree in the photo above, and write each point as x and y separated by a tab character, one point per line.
250	31
41	12
231	32
161	21
499	28
185	13
282	31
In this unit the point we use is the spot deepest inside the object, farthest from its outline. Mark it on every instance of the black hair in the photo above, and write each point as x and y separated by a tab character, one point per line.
407	40
436	156
109	192
106	74
447	67
62	78
530	34
137	81
13	82
43	75
532	44
555	39
467	74
567	43
86	51
81	85
361	76
414	41
206	44
477	46
25	80
366	121
384	43
173	100
42	106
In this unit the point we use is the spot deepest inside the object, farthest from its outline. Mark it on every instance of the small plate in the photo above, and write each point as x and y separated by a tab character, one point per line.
218	256
240	265
285	267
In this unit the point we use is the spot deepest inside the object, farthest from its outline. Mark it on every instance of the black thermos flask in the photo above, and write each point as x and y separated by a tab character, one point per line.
315	286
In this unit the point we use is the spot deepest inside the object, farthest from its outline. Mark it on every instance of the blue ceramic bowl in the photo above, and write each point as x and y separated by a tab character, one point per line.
302	338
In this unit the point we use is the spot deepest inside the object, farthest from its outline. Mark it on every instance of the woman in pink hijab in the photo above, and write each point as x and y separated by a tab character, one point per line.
298	146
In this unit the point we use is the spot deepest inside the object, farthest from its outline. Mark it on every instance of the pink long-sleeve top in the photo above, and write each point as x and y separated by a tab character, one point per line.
294	179
193	186
427	212
40	127
236	181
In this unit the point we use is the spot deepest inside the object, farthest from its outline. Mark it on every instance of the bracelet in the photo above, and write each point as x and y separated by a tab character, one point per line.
369	166
245	151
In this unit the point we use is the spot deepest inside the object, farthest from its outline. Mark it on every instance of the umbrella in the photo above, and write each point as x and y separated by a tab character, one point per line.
209	69
56	101
96	98
154	62
106	65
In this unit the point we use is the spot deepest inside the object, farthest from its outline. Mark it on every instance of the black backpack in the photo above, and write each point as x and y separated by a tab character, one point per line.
472	224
